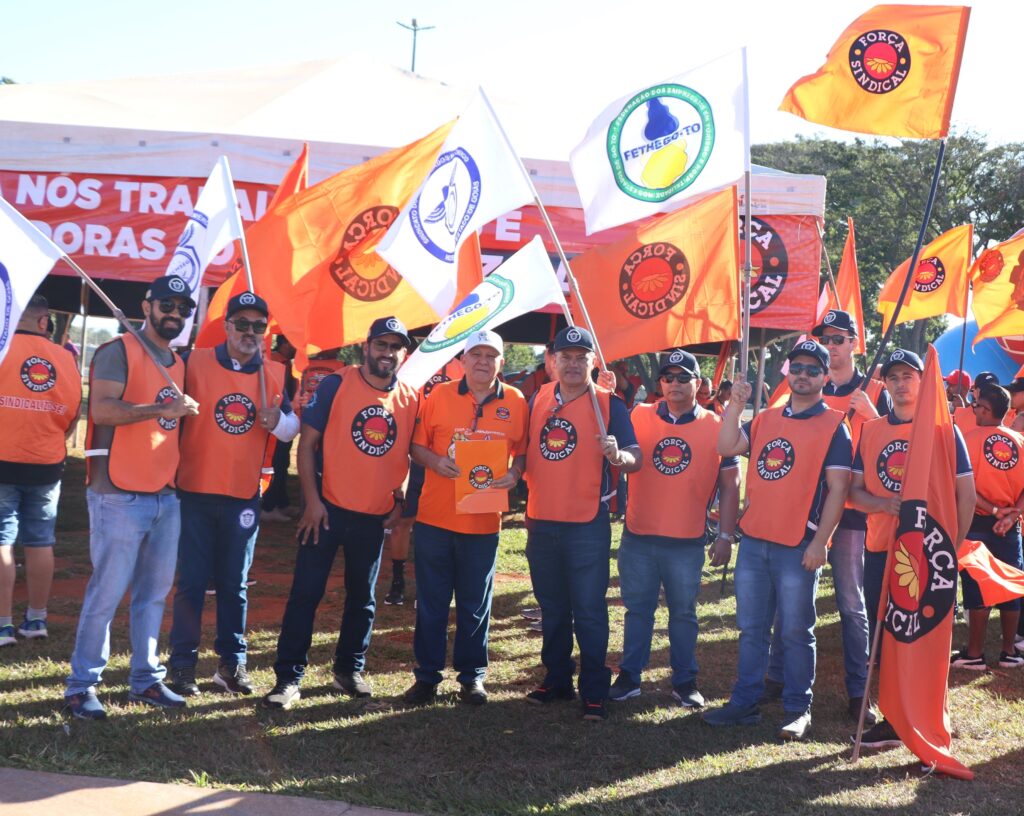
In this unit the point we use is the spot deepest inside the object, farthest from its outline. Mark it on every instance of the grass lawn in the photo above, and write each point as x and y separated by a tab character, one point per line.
506	757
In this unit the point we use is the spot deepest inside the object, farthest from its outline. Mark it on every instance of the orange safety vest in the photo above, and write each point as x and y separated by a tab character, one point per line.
143	456
669	495
40	394
997	457
963	418
786	456
366	444
883	452
223	448
564	462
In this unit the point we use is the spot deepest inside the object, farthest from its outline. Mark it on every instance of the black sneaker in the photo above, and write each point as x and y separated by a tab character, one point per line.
158	696
595	711
283	695
772	691
420	693
183	681
84	706
1009	660
624	688
353	684
473	693
396	595
233	678
542	695
688	696
962	660
853	708
881	735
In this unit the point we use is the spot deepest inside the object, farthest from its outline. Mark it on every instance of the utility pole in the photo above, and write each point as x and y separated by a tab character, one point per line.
415	29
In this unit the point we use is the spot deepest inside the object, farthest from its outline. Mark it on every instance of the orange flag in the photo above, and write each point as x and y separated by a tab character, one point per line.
940	285
997	580
673	281
848	286
998	281
921	572
724	355
892	72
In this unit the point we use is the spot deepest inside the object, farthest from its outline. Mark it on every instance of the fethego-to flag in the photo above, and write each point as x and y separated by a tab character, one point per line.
211	333
997	278
940	283
26	258
998	581
475	179
523	283
848	286
916	613
892	72
650	151
673	282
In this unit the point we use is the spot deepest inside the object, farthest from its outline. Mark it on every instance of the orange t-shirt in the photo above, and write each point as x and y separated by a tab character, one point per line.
963	417
997	457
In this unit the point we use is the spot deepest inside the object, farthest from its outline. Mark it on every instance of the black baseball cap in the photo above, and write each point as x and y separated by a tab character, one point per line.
836	319
573	337
810	348
169	286
388	325
1016	386
902	357
677	358
985	378
247	300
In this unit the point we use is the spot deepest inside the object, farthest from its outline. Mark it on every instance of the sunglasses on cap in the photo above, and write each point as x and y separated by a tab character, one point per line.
167	305
679	378
806	368
243	325
833	339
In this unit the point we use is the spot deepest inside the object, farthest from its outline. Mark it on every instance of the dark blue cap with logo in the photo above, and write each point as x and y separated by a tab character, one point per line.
677	358
388	325
169	286
902	357
836	319
573	337
810	348
247	300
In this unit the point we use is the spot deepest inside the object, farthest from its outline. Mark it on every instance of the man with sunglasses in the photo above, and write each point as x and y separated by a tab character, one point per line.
134	523
222	454
361	420
797	479
666	522
963	415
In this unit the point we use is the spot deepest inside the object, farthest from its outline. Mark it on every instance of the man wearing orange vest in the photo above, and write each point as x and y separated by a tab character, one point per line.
666	521
456	552
222	455
963	415
134	523
362	420
569	533
40	397
797	480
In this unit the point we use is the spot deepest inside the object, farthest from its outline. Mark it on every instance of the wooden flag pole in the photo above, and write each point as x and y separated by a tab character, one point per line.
830	279
872	660
748	243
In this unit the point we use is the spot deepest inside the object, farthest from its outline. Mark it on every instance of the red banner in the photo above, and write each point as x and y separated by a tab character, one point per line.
786	262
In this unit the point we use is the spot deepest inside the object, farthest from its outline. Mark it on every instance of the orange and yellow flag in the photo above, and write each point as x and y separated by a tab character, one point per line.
892	72
848	286
940	284
673	281
997	278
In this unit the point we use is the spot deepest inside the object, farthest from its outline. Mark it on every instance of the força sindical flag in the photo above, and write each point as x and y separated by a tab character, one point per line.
997	278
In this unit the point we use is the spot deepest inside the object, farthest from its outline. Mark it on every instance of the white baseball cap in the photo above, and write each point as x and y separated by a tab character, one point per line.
485	337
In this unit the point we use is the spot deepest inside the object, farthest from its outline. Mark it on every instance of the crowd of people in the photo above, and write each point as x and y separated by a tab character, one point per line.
177	447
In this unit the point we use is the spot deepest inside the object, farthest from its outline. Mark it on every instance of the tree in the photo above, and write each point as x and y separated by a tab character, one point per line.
520	357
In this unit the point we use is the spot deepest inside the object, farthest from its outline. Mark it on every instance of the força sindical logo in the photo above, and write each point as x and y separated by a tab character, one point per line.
931	274
770	262
653	278
481	477
557	439
374	430
880	60
1001	452
671	456
165	396
38	374
235	414
776	459
891	464
365	276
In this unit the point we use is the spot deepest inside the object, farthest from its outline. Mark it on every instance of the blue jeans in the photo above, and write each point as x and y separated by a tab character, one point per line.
771	580
218	536
874	575
645	563
133	544
569	571
28	511
461	563
361	537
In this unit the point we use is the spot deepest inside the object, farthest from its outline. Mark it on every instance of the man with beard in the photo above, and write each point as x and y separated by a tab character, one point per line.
131	459
362	420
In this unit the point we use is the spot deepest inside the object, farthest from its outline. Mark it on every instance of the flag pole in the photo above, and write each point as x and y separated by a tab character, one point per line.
963	346
748	237
830	279
872	659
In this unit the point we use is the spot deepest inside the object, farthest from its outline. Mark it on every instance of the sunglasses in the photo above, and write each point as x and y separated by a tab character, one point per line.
243	325
833	339
679	378
382	345
166	305
805	368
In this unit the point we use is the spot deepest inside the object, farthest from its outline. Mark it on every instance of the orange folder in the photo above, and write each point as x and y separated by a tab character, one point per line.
480	463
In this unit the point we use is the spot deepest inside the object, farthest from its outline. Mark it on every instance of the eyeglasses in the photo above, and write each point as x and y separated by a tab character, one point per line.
167	306
381	346
679	378
834	339
805	368
243	325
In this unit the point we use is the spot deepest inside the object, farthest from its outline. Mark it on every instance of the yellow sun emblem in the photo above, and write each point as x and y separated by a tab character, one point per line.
906	571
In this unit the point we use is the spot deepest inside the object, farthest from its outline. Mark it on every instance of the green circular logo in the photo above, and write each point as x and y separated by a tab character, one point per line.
660	142
478	309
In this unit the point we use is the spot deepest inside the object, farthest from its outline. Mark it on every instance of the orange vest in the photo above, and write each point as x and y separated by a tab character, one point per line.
40	394
313	376
883	452
143	456
366	444
679	461
786	456
564	462
996	457
963	417
223	448
872	390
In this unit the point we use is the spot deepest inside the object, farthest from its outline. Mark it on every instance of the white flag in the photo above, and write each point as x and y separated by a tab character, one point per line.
26	258
650	151
475	179
215	222
524	283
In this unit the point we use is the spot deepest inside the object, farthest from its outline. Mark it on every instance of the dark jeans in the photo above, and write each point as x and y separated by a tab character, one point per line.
218	536
362	539
461	563
874	575
569	571
277	493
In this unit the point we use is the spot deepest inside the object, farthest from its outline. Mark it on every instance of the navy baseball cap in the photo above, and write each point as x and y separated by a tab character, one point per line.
810	348
169	286
677	358
247	300
836	319
573	337
902	357
388	325
985	378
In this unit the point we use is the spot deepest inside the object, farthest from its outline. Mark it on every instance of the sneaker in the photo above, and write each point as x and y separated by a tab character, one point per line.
420	693
853	709
595	711
961	660
532	614
772	691
536	626
234	679
881	735
7	637
688	696
158	696
1011	661
796	725
84	706
473	693
283	695
352	683
396	596
33	629
183	681
623	688
542	695
1019	642
730	714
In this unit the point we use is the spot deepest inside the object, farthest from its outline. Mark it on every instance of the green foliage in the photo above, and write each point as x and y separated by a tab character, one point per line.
520	357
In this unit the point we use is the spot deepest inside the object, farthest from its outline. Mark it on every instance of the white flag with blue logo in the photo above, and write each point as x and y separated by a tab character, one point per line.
26	258
524	283
652	150
475	179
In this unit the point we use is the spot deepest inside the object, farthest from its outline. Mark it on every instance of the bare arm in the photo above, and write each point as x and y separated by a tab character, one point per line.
109	409
441	465
966	498
728	513
514	474
731	441
837	480
315	513
870	503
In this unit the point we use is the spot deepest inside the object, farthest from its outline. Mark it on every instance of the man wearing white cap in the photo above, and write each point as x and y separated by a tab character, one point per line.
456	552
